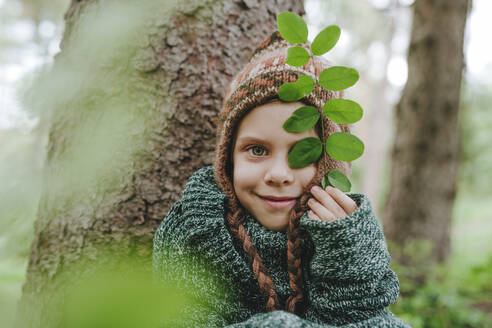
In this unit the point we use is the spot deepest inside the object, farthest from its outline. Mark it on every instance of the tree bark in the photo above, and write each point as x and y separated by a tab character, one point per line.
172	85
425	153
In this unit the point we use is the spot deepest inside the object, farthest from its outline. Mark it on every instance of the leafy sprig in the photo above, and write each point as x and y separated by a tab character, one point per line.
340	146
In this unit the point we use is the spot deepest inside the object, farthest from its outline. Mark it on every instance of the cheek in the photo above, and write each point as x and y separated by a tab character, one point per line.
246	175
307	174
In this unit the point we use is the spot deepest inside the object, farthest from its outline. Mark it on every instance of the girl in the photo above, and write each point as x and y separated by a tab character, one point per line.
255	243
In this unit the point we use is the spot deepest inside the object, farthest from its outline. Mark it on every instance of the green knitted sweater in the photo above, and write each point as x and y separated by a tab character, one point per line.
345	265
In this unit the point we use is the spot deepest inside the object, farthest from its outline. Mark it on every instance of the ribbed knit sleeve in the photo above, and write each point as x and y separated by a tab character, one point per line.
348	278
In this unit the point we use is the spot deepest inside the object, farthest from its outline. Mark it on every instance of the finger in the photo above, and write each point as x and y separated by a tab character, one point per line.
326	199
322	212
313	216
344	201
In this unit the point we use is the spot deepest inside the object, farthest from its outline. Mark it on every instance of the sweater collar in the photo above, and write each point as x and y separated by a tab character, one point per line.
203	195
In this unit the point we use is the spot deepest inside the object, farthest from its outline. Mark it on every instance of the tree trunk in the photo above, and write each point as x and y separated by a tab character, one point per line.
425	153
132	117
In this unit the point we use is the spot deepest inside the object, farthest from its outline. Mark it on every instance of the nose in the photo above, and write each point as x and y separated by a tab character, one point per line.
279	173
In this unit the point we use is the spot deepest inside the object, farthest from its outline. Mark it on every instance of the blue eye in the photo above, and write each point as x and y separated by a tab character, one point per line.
257	150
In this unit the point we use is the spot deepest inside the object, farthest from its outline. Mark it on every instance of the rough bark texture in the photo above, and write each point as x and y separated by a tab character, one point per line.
183	64
425	153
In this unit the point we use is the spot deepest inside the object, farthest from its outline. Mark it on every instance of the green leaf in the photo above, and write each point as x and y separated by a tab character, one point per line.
325	40
344	146
338	180
290	92
324	181
305	83
302	119
292	27
343	111
297	56
338	78
305	152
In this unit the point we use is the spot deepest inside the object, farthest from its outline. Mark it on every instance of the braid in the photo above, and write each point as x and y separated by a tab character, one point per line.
267	288
294	258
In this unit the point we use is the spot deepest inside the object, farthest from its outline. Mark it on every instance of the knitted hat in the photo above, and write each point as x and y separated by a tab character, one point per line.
258	83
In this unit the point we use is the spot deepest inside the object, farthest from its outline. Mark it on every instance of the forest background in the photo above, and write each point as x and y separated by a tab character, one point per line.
375	38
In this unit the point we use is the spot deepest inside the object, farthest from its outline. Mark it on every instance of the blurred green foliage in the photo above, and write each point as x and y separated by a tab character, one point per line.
20	176
106	293
94	102
458	295
447	299
20	182
12	273
121	298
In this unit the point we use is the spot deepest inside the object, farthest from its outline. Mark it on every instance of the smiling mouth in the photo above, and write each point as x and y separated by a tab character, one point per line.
279	203
278	199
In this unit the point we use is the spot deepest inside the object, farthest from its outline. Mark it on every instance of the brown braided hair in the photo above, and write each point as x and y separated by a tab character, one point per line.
256	84
294	267
234	219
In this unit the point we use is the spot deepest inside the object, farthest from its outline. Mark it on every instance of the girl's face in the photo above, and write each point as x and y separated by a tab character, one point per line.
264	182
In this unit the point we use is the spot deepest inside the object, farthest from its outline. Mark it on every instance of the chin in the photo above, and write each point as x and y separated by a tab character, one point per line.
282	228
276	225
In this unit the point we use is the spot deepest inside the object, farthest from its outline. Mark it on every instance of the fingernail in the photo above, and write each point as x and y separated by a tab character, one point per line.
316	189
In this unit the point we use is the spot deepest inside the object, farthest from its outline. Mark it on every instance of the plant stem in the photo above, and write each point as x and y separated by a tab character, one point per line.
322	141
322	131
